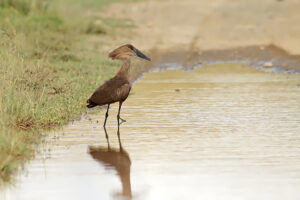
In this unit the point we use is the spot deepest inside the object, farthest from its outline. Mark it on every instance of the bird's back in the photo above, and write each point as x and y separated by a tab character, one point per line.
113	90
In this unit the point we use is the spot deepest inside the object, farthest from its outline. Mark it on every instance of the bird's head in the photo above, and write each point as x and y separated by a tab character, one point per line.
125	52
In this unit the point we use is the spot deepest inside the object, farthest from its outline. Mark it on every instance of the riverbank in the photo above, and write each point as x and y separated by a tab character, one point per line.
50	64
265	33
206	25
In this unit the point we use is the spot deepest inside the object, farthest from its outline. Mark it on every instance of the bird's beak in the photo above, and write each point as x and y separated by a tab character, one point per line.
141	55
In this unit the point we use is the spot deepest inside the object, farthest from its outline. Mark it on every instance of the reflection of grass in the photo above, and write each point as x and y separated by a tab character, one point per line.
48	68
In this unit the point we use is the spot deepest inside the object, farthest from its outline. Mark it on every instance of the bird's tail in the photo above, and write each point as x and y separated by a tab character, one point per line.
91	104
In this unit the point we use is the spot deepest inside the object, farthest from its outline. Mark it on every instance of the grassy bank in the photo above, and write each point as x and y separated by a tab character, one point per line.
49	65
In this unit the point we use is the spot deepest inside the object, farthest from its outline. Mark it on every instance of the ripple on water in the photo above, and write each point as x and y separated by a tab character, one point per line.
220	132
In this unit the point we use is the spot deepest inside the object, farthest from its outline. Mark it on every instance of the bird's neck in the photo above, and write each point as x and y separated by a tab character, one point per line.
125	69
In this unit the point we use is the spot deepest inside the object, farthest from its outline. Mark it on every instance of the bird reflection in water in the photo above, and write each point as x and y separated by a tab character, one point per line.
115	158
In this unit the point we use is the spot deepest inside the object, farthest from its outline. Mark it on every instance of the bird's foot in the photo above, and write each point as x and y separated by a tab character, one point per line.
122	120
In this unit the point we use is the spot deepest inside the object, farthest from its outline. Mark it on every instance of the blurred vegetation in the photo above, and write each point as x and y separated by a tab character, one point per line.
48	68
25	6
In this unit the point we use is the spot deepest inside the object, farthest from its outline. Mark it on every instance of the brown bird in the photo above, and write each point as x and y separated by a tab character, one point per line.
117	88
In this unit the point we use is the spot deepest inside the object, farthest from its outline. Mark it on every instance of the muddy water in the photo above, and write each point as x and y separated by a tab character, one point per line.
219	132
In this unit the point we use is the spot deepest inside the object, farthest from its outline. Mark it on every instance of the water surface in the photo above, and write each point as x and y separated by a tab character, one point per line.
220	132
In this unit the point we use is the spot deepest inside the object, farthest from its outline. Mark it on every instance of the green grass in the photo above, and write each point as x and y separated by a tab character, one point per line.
49	66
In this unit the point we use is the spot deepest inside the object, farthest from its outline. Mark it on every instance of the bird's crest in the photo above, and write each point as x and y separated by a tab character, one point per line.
126	50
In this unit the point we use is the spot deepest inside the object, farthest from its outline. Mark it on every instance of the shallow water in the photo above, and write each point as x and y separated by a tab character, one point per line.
220	132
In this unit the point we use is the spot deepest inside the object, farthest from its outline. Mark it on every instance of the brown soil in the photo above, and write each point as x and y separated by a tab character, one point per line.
264	33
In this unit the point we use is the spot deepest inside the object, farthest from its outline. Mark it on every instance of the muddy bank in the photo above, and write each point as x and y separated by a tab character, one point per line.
268	57
192	31
206	24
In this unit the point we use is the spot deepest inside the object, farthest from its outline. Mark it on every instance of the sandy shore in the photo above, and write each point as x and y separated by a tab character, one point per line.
214	26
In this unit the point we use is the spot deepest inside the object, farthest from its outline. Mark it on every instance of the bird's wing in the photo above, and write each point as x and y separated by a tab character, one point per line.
123	91
111	91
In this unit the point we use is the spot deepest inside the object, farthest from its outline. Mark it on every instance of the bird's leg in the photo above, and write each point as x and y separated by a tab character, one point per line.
106	115
118	116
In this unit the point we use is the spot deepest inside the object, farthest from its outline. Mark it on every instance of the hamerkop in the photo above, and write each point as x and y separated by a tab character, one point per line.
116	89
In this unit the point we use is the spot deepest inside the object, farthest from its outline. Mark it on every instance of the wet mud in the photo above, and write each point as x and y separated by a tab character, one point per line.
265	57
224	130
